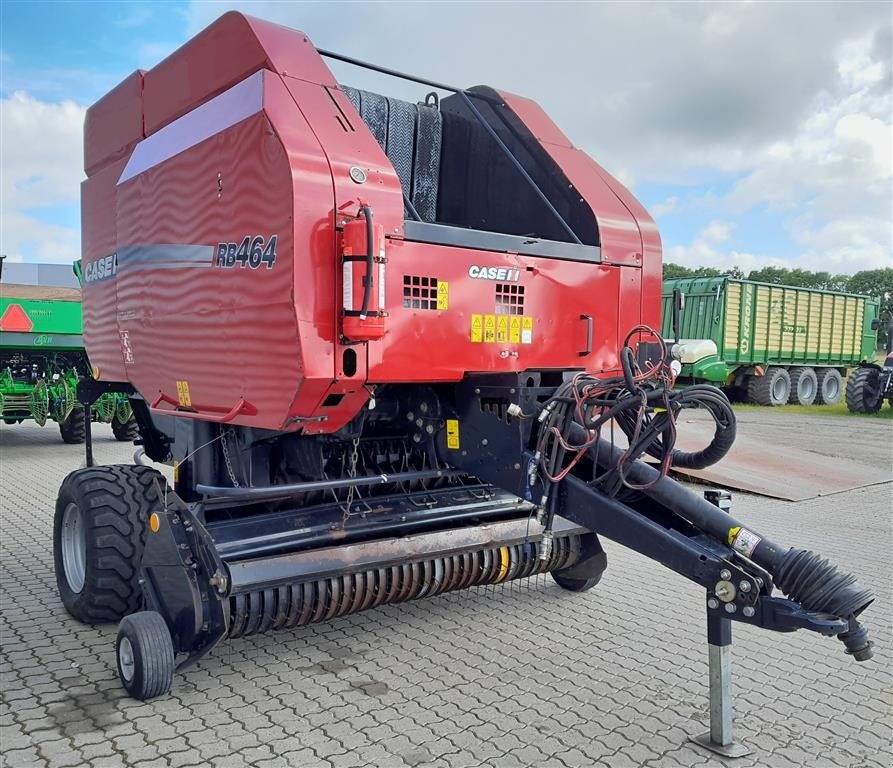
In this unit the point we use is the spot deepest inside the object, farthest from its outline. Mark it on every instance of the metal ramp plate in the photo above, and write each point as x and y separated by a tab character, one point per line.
774	469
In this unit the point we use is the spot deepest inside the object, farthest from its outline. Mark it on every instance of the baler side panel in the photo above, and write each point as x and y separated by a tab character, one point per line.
99	242
229	333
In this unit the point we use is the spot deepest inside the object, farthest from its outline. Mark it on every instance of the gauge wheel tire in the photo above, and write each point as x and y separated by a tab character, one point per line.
863	391
99	532
804	386
72	428
126	432
830	386
772	388
576	585
145	655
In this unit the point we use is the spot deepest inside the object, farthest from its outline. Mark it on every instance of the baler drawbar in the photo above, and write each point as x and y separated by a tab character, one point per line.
387	348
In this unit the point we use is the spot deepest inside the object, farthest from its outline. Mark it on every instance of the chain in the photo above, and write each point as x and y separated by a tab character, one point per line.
227	461
351	473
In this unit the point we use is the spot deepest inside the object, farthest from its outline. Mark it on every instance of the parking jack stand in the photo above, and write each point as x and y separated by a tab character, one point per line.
720	738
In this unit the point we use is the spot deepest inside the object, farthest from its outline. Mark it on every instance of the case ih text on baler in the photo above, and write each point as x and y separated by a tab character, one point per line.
383	345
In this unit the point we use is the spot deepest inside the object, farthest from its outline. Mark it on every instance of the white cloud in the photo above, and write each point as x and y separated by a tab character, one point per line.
42	155
665	207
704	251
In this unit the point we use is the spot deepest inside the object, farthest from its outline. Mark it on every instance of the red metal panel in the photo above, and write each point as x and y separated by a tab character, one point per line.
434	345
114	124
99	240
220	56
230	333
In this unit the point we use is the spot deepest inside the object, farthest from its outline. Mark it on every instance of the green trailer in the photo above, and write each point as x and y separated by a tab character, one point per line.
768	344
42	358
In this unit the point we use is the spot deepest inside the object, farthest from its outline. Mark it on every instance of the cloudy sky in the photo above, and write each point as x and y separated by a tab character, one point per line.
756	133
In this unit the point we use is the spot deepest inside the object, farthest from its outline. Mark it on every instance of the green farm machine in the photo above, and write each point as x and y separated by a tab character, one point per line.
42	358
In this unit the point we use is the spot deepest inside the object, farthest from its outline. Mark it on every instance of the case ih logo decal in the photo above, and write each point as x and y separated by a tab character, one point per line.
101	269
251	252
502	274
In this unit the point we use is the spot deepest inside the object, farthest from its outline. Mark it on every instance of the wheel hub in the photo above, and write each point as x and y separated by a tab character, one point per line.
74	548
125	659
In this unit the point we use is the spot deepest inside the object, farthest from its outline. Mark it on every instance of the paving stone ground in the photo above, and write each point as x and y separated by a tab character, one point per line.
517	675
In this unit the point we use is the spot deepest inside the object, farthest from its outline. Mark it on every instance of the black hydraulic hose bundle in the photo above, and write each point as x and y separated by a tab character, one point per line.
643	404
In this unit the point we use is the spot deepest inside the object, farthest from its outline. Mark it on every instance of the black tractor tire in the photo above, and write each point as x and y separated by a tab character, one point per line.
575	585
145	655
126	432
99	533
772	388
73	429
804	386
830	386
863	391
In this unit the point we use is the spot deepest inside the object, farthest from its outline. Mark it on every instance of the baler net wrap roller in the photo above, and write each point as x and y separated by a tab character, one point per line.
384	344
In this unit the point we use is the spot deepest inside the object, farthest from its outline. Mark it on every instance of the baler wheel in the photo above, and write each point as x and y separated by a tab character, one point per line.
863	391
145	655
98	537
772	388
575	585
830	386
804	386
72	428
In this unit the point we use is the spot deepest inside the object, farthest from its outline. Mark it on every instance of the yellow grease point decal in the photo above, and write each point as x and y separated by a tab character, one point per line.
526	330
443	294
183	394
515	330
733	532
477	328
452	434
154	522
489	329
503	564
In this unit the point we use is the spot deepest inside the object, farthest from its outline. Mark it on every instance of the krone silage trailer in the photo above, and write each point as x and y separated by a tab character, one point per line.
769	344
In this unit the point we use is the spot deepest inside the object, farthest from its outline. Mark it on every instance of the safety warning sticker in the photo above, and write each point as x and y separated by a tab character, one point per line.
443	294
452	434
477	328
515	329
502	329
745	541
183	394
526	330
489	329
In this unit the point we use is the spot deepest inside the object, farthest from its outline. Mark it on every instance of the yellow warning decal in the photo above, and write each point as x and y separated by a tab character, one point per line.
502	329
489	328
183	394
503	564
452	434
515	329
443	294
733	532
477	328
526	330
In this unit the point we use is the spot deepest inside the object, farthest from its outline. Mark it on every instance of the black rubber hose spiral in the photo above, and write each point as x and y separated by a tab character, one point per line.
819	587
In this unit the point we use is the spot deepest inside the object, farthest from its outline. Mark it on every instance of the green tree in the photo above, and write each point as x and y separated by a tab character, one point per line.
877	283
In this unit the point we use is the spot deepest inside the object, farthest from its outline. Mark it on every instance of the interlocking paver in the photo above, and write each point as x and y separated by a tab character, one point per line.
516	675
